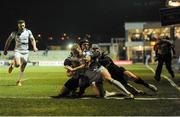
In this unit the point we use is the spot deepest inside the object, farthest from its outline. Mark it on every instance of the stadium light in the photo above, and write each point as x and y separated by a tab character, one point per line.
70	46
50	38
39	35
62	38
173	3
79	38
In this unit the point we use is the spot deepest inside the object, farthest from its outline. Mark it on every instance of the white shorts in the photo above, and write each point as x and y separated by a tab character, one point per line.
101	68
21	55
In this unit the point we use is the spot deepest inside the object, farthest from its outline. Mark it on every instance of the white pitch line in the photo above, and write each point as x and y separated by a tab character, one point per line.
120	98
88	98
150	68
13	97
165	77
172	82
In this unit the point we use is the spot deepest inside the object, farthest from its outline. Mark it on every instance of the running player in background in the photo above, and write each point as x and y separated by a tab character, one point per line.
21	52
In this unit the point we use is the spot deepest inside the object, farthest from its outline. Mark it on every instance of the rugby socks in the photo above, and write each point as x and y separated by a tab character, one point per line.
150	86
20	75
119	86
131	89
140	81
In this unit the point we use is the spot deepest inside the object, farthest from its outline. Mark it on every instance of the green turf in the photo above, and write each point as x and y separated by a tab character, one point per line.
46	82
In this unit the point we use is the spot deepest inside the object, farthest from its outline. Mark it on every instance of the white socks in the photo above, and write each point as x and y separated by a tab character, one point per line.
20	76
120	86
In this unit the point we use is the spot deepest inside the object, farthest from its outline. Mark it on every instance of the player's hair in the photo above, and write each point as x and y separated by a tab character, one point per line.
84	41
75	46
20	21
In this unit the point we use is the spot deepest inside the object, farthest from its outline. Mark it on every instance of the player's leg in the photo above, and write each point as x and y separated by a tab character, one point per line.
71	85
98	89
84	83
15	63
106	75
133	90
95	89
64	91
169	66
159	69
132	77
23	63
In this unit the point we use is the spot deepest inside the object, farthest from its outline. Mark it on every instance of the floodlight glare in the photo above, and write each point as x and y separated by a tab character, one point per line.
70	46
173	3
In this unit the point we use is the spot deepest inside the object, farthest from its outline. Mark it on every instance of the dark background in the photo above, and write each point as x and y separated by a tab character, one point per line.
102	19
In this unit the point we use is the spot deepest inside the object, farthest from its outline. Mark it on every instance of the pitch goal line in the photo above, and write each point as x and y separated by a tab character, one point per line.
87	98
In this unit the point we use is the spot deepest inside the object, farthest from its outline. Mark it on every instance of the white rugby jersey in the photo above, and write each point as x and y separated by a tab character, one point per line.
21	40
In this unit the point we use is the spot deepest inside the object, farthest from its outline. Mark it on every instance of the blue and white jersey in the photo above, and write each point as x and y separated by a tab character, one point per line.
21	40
87	53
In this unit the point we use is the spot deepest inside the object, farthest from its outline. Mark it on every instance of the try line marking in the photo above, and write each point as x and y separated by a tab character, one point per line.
87	98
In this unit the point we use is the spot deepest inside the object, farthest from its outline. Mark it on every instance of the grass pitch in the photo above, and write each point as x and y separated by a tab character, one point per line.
33	98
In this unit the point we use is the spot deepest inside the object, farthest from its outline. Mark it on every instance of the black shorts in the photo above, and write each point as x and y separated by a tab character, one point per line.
72	83
117	73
